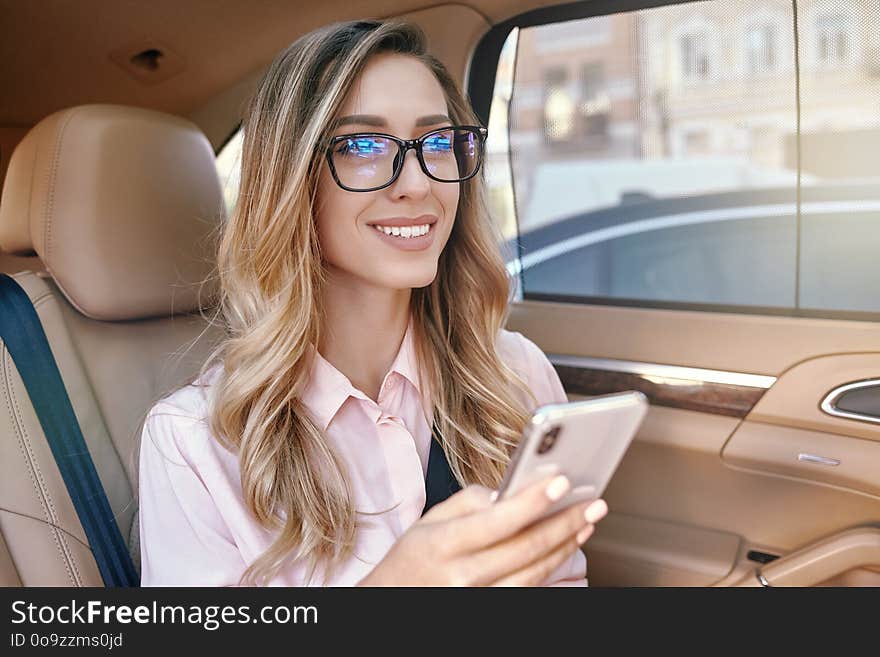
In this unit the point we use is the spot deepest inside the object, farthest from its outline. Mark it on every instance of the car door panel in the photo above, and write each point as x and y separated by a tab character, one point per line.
848	463
666	554
829	561
753	344
795	399
709	391
702	477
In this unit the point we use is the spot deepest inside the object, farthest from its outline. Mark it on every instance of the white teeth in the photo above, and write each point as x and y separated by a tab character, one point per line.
405	231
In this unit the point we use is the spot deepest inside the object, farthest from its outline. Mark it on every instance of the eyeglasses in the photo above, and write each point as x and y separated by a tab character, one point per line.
367	161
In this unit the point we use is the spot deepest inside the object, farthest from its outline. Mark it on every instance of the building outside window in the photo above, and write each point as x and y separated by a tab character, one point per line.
559	108
595	104
832	39
695	58
760	48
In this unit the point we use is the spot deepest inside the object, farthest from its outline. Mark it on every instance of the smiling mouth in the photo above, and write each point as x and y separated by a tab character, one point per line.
405	232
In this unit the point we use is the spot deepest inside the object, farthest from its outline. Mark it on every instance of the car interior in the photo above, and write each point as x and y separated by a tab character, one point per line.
690	196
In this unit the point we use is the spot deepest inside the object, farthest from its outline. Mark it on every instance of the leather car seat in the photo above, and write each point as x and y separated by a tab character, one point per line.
120	207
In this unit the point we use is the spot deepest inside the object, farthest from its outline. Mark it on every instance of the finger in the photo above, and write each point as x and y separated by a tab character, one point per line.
468	500
538	571
496	522
597	510
584	534
529	545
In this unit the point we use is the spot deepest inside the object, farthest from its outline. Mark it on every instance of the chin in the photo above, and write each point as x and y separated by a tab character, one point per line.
414	279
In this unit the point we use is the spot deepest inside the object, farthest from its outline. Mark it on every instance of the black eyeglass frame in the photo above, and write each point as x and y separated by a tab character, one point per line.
403	146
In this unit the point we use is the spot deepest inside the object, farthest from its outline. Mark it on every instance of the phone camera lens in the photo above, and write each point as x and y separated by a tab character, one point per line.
548	440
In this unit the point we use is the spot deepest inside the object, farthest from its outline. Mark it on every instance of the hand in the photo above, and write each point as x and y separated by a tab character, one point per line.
467	540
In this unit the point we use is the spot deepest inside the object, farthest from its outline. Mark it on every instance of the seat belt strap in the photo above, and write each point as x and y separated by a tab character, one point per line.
26	341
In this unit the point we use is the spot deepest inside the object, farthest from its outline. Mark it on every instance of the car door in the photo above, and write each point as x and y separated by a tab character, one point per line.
691	202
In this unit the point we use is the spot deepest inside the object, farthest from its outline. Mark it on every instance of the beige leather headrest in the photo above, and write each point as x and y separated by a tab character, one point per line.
122	206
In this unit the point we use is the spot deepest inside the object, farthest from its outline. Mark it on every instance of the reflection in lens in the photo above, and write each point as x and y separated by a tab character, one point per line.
451	154
363	162
466	152
437	152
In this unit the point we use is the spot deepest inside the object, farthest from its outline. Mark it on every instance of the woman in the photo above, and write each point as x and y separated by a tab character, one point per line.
364	299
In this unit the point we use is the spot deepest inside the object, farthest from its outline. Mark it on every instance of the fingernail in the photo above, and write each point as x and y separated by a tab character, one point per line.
584	534
558	487
596	511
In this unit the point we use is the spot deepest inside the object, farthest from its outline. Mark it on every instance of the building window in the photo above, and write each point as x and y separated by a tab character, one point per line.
559	109
595	104
832	39
695	58
760	48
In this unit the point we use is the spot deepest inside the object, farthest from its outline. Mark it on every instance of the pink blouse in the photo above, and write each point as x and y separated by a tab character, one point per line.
195	529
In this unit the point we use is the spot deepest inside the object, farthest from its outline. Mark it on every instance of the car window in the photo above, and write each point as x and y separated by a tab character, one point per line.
689	155
229	169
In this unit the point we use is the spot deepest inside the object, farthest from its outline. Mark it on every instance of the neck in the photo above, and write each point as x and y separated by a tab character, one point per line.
363	329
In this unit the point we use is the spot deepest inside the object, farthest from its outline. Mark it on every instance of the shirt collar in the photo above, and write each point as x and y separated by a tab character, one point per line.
328	389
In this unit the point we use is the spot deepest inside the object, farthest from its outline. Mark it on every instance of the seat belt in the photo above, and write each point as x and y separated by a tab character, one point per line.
440	483
26	341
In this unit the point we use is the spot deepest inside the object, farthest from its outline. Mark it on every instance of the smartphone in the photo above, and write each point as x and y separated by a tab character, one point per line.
584	440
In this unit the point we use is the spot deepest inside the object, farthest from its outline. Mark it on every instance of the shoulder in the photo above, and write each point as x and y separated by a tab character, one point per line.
177	424
520	353
517	346
527	359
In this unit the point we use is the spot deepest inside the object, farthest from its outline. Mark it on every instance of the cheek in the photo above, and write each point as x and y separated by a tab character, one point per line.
448	195
336	215
449	201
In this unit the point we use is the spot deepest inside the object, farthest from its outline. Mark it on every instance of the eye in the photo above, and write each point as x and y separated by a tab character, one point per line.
342	147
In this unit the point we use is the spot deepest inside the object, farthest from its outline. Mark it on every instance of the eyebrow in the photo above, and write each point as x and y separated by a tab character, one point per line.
378	121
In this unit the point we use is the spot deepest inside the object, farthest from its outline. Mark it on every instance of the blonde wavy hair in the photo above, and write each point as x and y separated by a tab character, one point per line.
271	278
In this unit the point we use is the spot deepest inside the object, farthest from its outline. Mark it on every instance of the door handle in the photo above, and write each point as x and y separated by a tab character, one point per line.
859	400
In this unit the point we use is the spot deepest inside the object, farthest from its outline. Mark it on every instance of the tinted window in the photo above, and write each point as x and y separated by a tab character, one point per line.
655	156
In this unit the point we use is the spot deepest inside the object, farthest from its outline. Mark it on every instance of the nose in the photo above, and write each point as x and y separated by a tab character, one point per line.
412	181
